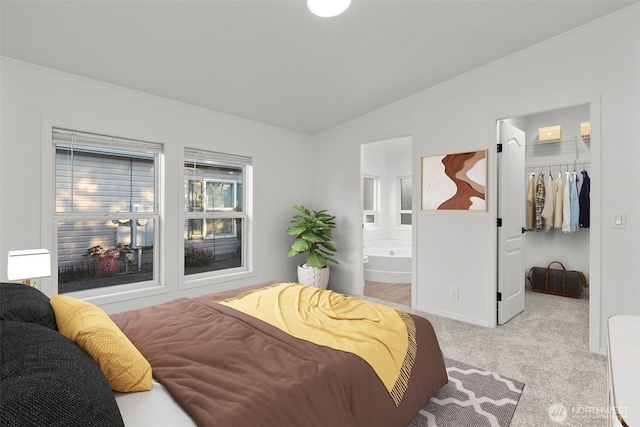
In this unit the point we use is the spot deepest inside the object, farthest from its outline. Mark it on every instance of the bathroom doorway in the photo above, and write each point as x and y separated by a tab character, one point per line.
387	217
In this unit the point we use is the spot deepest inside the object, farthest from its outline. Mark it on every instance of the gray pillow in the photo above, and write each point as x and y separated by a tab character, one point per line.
47	380
25	304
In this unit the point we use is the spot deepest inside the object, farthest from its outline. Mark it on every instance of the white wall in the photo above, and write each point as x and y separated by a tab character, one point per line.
600	60
31	95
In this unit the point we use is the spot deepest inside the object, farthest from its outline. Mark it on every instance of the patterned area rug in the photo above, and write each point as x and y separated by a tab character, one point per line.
472	398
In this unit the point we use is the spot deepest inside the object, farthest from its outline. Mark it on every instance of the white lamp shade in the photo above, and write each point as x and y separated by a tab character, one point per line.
328	8
28	264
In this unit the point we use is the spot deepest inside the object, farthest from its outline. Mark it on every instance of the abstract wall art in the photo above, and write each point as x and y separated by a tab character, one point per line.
455	182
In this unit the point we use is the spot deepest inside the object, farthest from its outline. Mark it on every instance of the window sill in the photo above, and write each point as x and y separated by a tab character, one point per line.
207	279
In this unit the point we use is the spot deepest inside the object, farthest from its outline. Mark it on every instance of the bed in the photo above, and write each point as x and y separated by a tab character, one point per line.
213	363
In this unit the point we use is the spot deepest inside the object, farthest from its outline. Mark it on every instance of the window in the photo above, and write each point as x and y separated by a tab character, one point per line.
405	200
208	195
370	201
106	213
215	218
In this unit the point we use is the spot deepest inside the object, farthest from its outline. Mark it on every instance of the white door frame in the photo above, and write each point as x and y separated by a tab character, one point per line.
595	233
415	209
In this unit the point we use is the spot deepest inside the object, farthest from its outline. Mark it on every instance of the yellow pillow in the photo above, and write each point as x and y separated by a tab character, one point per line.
93	330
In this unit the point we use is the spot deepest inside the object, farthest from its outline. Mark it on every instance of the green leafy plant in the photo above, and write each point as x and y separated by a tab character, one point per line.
313	235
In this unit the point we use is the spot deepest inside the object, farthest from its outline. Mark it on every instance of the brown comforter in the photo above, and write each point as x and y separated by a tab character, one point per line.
229	369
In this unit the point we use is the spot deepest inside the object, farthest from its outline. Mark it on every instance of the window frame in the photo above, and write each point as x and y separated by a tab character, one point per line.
246	269
398	209
375	212
205	209
50	217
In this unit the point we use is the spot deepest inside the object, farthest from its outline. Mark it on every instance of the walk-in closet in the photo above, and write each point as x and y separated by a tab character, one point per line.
558	174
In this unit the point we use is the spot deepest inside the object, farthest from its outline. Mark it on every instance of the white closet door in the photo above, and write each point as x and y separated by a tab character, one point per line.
511	209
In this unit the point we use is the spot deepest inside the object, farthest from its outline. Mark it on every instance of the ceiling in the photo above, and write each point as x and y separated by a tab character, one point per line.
272	60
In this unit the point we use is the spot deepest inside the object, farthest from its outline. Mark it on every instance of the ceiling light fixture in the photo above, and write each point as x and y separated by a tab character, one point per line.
328	8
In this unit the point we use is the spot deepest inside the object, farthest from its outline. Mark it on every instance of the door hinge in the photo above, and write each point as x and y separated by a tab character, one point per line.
499	296
499	148
499	222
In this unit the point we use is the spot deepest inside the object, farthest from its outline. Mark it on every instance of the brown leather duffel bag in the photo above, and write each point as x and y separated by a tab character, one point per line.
557	281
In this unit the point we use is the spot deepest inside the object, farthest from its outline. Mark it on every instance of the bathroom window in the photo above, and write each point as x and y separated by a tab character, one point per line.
405	201
370	201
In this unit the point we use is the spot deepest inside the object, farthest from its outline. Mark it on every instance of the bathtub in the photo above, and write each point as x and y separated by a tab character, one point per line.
387	261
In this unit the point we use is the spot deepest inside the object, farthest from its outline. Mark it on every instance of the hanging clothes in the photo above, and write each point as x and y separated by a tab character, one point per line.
566	204
531	203
549	202
540	196
585	201
575	203
557	211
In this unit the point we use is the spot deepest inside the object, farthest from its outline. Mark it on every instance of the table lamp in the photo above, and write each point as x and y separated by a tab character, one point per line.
28	264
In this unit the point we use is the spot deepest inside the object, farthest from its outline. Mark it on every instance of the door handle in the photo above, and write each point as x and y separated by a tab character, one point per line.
524	230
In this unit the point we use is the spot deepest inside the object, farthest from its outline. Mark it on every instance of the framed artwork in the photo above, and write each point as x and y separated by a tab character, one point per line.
455	182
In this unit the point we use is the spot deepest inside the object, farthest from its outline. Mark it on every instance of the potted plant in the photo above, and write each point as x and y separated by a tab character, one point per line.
313	235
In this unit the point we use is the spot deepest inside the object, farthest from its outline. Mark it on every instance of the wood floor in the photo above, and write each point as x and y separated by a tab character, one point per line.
399	293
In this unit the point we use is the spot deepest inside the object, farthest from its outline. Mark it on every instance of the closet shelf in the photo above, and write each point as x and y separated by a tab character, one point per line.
574	148
571	139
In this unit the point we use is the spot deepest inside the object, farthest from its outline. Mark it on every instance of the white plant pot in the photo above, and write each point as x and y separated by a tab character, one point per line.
316	277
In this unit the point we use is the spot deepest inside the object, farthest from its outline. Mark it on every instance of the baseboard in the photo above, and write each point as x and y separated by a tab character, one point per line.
453	316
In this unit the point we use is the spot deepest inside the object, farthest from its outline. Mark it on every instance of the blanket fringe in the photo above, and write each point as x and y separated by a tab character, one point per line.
402	383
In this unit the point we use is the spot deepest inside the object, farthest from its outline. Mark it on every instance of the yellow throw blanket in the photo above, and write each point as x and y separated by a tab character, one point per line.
382	336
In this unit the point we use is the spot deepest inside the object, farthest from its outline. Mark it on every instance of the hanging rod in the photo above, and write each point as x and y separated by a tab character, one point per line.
559	165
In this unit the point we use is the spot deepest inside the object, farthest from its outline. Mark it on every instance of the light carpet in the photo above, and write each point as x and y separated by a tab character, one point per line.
547	347
473	397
